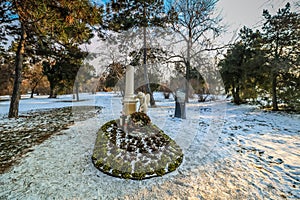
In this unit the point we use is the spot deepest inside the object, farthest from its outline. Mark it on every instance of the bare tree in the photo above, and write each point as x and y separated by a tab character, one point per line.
195	25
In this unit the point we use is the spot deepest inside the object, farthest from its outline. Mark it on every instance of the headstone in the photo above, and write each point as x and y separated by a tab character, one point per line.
180	109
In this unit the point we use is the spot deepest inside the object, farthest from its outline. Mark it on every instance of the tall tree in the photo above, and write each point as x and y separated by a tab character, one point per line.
33	20
271	63
126	15
196	23
242	68
63	64
281	34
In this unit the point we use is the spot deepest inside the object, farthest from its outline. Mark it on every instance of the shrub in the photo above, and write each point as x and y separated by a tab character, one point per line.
160	172
113	160
126	175
139	119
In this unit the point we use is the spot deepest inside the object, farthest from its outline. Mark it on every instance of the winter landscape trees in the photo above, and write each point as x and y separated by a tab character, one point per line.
264	64
172	46
41	28
132	15
45	39
196	23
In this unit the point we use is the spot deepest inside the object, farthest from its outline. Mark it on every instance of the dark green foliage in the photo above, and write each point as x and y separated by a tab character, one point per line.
41	28
172	167
106	168
124	15
264	65
290	96
116	172
99	163
154	55
111	123
126	175
138	176
242	68
281	36
63	72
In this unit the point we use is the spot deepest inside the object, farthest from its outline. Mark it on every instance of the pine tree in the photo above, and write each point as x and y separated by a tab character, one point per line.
123	15
281	35
6	72
271	64
32	21
243	68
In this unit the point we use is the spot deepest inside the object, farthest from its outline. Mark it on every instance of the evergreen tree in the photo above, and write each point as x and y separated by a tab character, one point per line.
63	66
6	72
233	70
123	15
281	35
242	68
270	66
41	20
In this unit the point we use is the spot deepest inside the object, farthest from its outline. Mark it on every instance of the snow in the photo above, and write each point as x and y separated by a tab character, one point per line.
230	152
43	102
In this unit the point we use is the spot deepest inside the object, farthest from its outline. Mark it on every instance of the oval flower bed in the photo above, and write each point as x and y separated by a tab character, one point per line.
142	151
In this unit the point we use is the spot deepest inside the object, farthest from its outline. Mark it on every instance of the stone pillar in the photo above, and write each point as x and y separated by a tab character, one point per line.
129	102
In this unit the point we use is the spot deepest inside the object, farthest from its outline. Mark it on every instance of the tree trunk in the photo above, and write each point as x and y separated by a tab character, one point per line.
32	92
274	92
235	91
187	89
237	98
152	101
77	91
52	92
187	68
33	89
15	98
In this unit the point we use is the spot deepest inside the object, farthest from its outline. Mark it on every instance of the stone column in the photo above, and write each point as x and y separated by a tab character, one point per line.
129	102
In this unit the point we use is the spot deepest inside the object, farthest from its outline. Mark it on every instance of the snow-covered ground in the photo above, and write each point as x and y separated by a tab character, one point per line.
43	102
231	152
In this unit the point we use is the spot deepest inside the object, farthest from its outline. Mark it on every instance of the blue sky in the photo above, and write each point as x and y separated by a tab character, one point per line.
237	13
